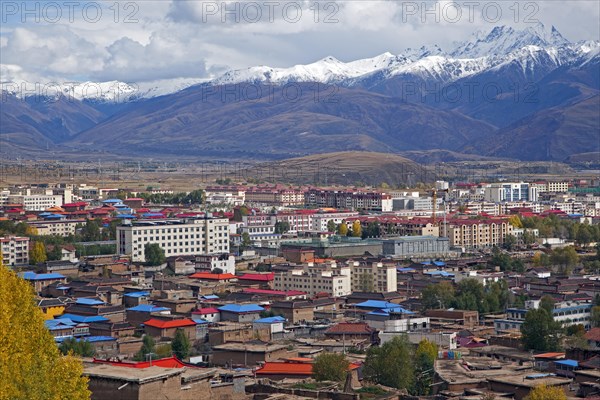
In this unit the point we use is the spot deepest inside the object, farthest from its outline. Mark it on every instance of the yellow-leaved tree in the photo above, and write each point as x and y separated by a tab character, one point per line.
31	366
356	229
543	392
37	253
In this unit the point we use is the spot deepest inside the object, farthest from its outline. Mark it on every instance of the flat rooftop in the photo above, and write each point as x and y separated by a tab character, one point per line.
249	347
135	375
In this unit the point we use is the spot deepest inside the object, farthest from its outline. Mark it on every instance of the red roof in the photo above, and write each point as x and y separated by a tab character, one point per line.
171	362
163	324
285	368
76	204
274	292
593	334
349	328
258	277
204	311
213	277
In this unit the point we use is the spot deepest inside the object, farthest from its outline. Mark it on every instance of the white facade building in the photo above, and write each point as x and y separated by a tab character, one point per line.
176	237
501	192
373	276
15	250
312	279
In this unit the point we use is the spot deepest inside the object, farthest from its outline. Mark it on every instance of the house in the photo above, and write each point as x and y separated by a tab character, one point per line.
51	307
264	281
139	314
593	338
166	329
274	324
133	299
240	312
297	368
207	276
113	329
66	328
351	330
248	353
294	311
40	281
67	252
209	314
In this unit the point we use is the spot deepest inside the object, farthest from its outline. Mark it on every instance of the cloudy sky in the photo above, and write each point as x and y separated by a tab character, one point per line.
140	41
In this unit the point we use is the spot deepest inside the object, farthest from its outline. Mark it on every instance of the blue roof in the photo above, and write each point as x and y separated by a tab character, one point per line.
90	339
241	308
89	302
150	214
32	276
54	216
375	304
148	308
441	273
568	363
112	201
137	294
270	320
405	269
198	320
210	297
53	324
83	318
126	216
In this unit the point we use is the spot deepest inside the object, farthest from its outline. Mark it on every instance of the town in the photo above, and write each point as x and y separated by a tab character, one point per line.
270	291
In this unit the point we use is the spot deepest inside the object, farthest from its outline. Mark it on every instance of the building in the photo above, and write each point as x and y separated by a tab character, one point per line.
36	202
223	195
62	228
208	262
159	328
321	220
348	199
566	312
15	250
416	246
373	276
277	196
334	246
313	279
240	312
506	191
478	233
40	281
176	237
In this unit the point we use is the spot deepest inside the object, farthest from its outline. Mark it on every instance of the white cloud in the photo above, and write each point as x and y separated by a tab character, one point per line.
154	40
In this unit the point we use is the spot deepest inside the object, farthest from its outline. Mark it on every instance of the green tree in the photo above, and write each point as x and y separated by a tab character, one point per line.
440	295
80	347
155	255
540	331
547	303
37	253
391	364
91	231
425	356
148	349
31	366
565	257
55	254
595	317
330	367
282	226
356	229
246	242
543	392
331	226
343	228
509	242
181	345
470	296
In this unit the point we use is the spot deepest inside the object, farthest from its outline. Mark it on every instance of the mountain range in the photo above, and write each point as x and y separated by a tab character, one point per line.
521	94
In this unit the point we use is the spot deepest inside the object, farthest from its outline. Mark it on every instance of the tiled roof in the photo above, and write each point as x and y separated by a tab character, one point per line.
285	368
593	334
348	328
258	277
210	276
161	324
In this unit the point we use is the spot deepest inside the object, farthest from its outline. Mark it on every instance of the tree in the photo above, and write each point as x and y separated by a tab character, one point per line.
331	226
155	255
391	364
343	228
91	231
565	257
282	226
31	366
540	331
547	303
246	242
509	242
543	392
356	229
80	347
181	344
515	221
471	296
425	356
148	349
595	317
440	295
330	367
216	270
55	254
37	253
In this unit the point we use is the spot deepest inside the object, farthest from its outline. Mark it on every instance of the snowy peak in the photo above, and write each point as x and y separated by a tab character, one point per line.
502	40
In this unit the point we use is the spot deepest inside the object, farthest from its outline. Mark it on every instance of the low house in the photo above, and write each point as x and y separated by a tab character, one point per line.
274	324
248	353
133	299
40	281
51	307
139	314
217	278
297	368
113	329
351	330
294	311
209	314
240	312
66	328
166	329
264	281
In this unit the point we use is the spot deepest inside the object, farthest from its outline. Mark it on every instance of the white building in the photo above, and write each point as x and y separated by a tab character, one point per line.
208	262
320	221
176	237
521	191
36	202
15	250
62	228
312	279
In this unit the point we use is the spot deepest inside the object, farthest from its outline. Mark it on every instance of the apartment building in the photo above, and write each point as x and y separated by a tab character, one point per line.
176	237
277	196
566	312
36	202
393	225
510	191
552	186
373	276
320	220
299	221
478	233
327	278
348	199
208	262
62	228
225	195
15	250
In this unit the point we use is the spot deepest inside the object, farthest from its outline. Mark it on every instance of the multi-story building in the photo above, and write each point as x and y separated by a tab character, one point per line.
15	250
36	202
348	199
228	195
275	196
373	276
299	221
393	225
62	228
566	312
176	237
208	262
510	191
327	278
478	233
416	247
321	220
